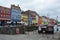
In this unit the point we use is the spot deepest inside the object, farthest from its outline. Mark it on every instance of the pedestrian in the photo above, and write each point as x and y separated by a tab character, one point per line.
39	29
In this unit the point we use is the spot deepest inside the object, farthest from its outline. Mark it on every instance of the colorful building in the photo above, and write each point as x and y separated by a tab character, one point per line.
15	13
43	20
30	17
24	17
4	14
34	17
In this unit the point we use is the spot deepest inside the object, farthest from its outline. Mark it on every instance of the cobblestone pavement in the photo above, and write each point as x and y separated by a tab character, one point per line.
31	36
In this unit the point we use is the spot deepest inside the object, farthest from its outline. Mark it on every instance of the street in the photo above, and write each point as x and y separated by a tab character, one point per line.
31	36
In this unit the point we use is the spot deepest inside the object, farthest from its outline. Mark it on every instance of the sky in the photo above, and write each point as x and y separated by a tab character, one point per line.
49	8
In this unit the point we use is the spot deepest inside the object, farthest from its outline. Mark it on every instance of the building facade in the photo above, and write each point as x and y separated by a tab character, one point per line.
34	16
4	14
24	17
30	17
15	13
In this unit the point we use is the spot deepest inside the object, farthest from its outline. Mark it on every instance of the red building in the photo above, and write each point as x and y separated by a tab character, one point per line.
4	13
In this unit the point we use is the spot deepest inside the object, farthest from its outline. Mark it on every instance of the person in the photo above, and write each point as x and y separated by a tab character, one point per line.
39	29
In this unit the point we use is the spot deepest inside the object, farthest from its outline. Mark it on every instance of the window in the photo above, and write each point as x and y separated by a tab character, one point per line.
1	11
4	11
8	17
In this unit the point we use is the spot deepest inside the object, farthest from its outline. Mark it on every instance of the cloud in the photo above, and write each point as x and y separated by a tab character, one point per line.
7	3
42	7
42	4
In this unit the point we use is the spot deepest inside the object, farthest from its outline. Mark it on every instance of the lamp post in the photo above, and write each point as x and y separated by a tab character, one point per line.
57	20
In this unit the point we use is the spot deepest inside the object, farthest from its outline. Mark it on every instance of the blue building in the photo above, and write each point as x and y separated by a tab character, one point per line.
15	13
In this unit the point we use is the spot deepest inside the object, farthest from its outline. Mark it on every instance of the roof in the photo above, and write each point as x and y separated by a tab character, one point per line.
31	12
4	7
45	17
16	6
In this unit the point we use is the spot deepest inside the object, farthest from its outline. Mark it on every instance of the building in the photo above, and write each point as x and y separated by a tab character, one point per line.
35	17
43	20
15	13
24	17
30	17
4	14
52	20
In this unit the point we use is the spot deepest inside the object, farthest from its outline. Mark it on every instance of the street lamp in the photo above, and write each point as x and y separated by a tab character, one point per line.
57	19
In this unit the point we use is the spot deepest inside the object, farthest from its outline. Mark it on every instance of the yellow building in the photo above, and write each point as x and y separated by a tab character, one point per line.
32	19
24	17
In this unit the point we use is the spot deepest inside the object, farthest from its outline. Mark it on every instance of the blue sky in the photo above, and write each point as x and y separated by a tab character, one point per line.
42	7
